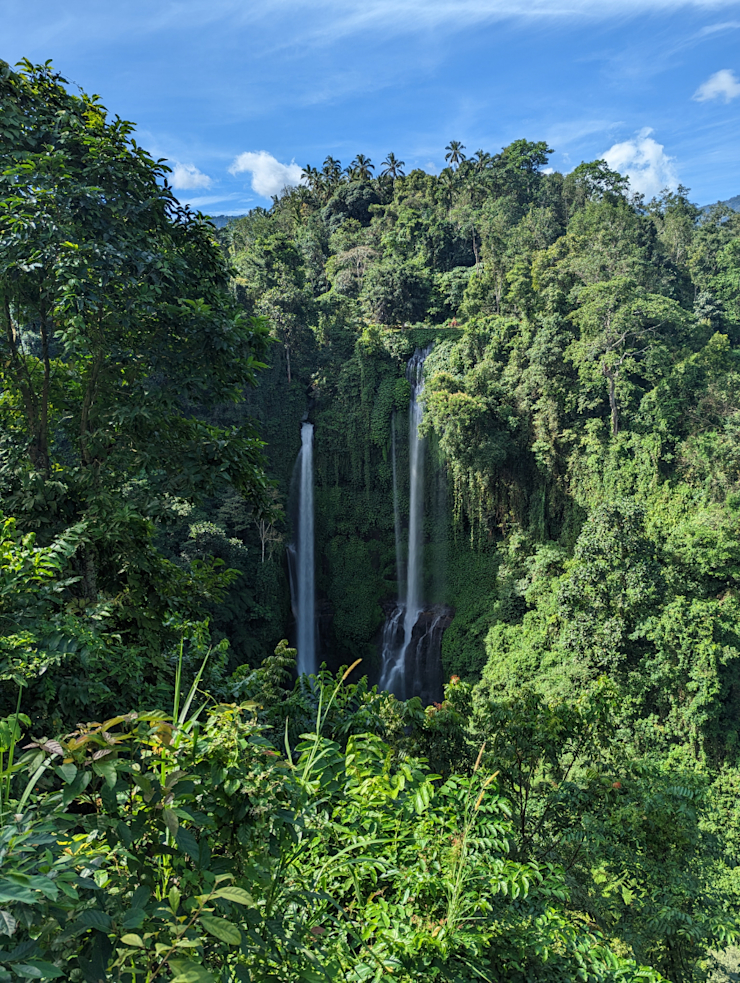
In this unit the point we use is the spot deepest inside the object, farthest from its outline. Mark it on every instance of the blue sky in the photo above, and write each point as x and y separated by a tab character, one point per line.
234	93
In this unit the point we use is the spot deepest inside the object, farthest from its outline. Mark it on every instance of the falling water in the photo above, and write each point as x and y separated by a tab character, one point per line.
399	625
413	606
306	591
396	506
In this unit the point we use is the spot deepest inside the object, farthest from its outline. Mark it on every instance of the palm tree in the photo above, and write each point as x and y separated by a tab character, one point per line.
332	170
481	160
455	155
393	167
360	168
447	181
313	178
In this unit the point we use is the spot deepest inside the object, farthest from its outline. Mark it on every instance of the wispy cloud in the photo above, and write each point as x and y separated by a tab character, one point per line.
187	177
560	135
332	20
269	176
323	18
644	161
724	85
710	29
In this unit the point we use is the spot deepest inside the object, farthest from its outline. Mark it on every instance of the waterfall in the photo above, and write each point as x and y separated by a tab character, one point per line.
415	569
306	613
396	506
423	656
404	616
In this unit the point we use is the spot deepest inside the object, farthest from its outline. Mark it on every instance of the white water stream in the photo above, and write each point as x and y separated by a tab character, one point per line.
406	613
414	576
306	619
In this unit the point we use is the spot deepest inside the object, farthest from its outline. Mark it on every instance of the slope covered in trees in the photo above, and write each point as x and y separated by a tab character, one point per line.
174	804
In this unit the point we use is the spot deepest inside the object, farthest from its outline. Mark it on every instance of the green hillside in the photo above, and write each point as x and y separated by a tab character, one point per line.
175	805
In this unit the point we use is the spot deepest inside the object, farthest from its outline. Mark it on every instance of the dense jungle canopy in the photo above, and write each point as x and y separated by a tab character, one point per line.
174	804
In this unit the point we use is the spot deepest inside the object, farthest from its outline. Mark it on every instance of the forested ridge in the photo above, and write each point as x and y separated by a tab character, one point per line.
174	804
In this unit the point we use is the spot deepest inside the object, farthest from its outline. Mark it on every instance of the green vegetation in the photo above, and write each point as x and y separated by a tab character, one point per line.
175	807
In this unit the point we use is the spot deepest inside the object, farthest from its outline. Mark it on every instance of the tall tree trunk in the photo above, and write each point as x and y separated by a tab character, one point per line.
25	384
611	376
43	437
87	405
89	579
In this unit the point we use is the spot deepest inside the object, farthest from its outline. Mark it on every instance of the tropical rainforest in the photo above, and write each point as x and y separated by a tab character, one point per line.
176	803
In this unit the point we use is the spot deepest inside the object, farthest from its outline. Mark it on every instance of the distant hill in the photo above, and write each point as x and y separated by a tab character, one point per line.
221	220
733	203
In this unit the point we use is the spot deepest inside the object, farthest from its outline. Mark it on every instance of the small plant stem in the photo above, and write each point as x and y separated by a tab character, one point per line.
178	683
163	961
11	752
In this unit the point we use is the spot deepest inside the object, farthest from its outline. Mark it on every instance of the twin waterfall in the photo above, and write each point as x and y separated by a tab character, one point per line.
412	634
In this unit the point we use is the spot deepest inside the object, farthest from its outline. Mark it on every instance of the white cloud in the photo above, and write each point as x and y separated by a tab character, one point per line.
187	177
269	176
724	84
644	162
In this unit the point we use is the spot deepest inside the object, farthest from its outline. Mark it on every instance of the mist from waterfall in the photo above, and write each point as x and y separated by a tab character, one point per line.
306	608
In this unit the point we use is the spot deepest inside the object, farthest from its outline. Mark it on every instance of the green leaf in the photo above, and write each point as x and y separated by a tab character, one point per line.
174	899
8	924
67	772
107	770
187	842
235	894
189	972
124	834
133	918
133	940
38	970
9	891
95	918
221	929
170	820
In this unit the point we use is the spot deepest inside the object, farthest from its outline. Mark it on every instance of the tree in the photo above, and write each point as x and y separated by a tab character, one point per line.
594	180
525	155
361	168
313	178
393	167
332	171
481	160
455	153
620	322
395	293
118	331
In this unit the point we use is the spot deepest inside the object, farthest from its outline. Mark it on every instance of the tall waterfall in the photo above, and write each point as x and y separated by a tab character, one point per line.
415	569
306	613
396	504
399	626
